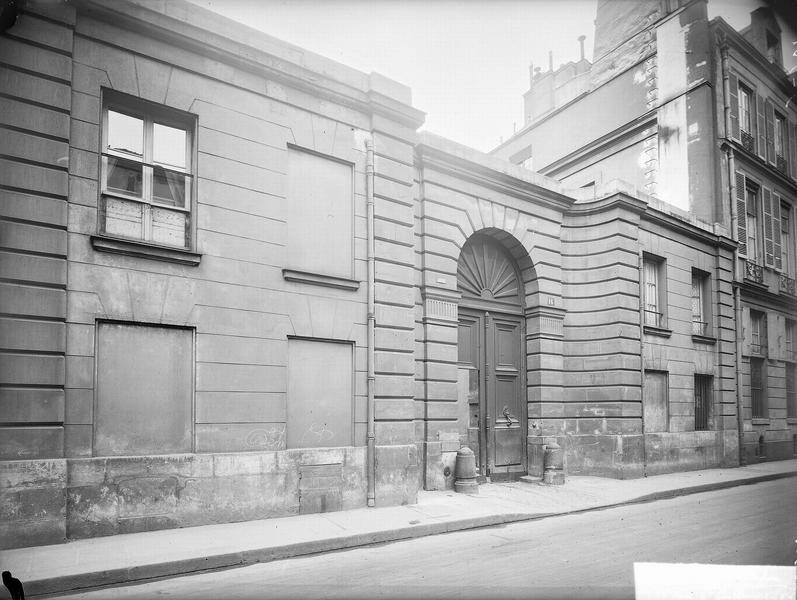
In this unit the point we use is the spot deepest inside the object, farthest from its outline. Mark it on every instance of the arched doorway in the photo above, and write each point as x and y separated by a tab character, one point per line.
490	348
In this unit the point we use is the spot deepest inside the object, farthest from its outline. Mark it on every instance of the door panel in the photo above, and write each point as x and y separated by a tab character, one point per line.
490	350
507	406
469	350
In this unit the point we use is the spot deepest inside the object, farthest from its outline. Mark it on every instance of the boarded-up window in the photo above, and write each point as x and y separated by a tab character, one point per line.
319	394
655	411
144	390
320	222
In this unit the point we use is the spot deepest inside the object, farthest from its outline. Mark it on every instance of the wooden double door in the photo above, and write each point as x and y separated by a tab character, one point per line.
491	352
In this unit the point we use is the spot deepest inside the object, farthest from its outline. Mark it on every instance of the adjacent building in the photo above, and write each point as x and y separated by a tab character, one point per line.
701	117
237	283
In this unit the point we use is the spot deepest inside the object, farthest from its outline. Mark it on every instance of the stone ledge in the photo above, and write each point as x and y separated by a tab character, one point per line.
342	283
138	249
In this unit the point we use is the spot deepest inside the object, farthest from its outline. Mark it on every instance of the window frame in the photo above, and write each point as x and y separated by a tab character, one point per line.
791	390
703	397
311	274
752	192
150	113
656	265
781	142
758	395
746	125
758	331
701	281
788	257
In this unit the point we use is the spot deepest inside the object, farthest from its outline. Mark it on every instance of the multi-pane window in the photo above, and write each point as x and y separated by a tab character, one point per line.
780	141
703	386
746	117
757	332
653	291
146	174
700	303
757	387
786	249
752	223
789	341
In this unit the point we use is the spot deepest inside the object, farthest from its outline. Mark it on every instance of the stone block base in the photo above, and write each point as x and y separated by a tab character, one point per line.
32	502
635	455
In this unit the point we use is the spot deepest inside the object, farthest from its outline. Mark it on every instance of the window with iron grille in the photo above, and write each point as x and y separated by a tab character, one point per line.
703	389
701	305
653	291
791	390
789	341
786	250
758	387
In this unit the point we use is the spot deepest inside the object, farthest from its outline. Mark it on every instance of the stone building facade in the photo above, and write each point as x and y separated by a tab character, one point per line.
238	284
702	118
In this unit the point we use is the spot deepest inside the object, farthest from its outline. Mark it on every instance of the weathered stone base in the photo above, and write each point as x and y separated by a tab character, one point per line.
32	502
769	449
48	501
636	455
397	475
436	463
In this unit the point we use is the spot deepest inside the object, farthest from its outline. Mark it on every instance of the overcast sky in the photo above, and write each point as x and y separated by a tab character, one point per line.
467	61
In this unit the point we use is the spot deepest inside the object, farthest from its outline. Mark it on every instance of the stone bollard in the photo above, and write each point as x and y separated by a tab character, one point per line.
465	472
553	464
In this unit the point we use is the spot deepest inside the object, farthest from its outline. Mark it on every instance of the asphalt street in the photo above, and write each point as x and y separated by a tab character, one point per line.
588	555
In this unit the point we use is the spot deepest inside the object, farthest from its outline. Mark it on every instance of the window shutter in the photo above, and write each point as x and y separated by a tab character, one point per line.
734	86
769	112
793	150
741	214
761	127
769	256
776	245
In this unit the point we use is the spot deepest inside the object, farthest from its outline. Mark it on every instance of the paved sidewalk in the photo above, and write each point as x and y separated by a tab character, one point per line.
133	557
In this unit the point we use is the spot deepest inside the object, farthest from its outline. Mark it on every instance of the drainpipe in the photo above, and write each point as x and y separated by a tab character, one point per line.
640	268
737	305
370	436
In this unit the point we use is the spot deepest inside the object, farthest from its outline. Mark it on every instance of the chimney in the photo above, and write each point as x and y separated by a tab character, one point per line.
581	39
550	60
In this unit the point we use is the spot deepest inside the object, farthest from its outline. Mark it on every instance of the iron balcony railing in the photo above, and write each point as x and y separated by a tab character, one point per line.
753	272
748	141
653	318
781	164
699	327
787	285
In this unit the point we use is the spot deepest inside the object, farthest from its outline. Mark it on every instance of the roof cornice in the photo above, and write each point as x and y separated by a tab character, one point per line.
725	34
204	41
473	166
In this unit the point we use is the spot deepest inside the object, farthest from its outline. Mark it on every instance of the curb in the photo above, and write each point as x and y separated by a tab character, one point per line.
144	573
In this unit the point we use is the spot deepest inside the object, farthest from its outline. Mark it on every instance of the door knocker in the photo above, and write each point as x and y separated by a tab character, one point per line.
507	416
